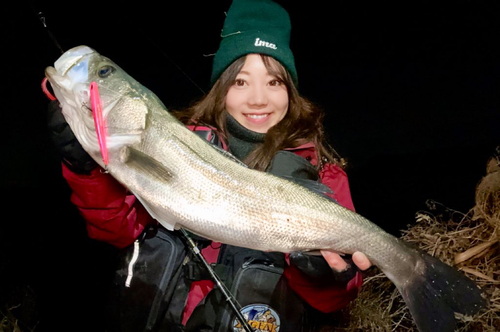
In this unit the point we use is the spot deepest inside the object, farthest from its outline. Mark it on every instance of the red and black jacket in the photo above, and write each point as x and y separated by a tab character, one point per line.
116	216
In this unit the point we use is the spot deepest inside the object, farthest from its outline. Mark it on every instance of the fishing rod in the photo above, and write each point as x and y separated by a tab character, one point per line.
42	19
229	297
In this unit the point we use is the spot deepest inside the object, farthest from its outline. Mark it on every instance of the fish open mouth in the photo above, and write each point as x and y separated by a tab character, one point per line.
70	58
70	69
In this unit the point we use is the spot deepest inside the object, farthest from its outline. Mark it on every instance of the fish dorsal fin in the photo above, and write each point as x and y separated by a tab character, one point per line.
312	185
228	155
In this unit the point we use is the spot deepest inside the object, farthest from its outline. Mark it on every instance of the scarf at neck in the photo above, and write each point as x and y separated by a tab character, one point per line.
241	140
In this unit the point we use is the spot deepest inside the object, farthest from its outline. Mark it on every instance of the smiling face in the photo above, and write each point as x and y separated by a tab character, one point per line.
257	100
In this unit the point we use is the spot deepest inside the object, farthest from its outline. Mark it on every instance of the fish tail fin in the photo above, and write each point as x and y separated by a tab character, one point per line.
438	293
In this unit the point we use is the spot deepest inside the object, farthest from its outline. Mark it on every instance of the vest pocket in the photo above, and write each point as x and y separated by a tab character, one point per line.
144	280
266	300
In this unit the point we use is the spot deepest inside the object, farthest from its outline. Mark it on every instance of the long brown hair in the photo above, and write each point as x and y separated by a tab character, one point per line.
302	123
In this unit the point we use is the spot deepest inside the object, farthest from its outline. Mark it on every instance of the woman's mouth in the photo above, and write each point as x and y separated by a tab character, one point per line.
257	116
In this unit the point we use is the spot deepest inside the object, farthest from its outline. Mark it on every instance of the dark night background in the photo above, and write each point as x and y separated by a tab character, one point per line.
410	91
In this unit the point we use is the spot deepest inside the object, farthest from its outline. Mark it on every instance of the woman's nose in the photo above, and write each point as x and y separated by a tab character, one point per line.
257	97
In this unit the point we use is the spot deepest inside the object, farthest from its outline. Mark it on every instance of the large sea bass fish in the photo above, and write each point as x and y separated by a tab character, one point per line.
184	182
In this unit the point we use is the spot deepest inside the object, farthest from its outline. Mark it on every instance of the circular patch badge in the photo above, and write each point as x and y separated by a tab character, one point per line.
261	317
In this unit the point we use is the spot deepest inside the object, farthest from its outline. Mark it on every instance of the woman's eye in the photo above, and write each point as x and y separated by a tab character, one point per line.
275	82
105	71
239	82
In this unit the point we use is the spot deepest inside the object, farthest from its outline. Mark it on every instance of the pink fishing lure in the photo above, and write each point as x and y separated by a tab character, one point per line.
100	126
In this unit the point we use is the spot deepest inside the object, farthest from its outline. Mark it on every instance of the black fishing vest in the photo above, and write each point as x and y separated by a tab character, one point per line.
154	276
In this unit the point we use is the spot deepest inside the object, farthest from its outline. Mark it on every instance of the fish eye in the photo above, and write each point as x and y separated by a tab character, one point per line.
105	71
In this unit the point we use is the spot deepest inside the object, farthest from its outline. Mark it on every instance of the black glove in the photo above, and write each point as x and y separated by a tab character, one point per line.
318	269
65	142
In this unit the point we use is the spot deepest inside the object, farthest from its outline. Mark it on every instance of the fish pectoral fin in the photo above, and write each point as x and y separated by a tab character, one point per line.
145	164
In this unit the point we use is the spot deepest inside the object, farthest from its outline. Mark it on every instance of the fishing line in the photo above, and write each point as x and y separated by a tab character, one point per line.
172	61
160	50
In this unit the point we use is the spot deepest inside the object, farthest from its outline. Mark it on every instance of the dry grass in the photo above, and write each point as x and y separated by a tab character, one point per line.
469	241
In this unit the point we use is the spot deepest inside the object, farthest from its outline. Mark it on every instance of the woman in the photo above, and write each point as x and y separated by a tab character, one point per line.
255	111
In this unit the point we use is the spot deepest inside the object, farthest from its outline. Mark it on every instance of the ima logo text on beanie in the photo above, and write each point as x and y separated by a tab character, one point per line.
259	42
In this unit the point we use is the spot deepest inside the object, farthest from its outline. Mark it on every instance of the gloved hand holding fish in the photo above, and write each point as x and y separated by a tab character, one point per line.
184	182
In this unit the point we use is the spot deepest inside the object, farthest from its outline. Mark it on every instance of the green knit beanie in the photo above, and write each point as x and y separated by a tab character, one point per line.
254	26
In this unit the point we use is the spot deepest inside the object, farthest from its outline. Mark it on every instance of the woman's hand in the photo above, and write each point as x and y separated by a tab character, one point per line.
337	263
